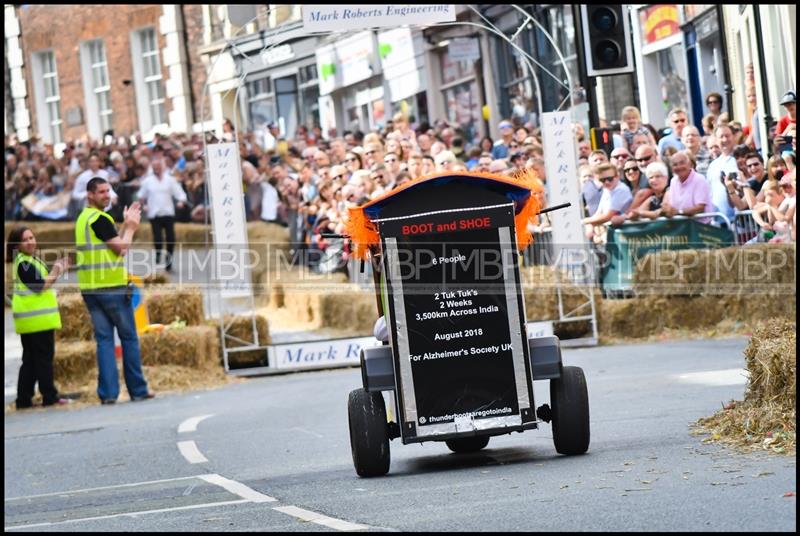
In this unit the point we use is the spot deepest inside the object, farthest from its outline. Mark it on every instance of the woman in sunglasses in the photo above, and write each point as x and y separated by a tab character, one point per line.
714	104
353	161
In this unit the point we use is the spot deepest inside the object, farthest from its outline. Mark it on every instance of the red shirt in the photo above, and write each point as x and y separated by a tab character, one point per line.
783	123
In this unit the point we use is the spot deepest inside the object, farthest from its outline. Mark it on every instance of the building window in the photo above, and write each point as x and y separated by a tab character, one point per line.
101	87
52	100
152	76
461	98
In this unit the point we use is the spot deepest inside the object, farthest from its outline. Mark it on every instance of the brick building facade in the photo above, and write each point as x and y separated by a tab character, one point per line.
85	41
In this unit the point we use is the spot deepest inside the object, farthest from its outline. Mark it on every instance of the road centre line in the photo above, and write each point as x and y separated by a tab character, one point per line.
127	514
190	451
237	488
319	519
190	425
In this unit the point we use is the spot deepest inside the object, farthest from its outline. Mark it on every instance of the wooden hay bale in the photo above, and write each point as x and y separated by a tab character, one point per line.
76	323
166	304
75	362
192	346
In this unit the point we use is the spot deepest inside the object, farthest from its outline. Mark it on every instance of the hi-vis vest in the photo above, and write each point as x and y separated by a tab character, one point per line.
33	311
98	266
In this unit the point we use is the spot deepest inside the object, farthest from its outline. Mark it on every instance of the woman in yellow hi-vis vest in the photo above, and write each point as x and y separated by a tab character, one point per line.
36	317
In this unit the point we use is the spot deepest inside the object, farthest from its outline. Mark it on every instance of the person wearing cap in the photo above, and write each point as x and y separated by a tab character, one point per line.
501	146
788	101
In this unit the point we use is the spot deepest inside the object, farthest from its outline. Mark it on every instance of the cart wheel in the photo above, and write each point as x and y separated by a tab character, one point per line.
570	400
369	432
467	444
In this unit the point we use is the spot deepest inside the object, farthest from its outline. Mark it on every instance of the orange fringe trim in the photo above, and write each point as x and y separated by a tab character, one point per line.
364	233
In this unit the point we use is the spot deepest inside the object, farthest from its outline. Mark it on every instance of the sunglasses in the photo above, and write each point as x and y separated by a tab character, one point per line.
631	169
607	179
645	159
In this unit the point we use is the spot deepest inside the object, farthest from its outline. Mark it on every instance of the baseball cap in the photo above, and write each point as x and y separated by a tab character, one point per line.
505	124
789	97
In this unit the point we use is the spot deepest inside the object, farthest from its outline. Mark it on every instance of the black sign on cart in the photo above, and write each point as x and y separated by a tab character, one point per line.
459	366
457	316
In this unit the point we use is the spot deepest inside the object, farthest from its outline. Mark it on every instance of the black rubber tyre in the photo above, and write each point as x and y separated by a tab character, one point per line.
369	433
467	444
569	398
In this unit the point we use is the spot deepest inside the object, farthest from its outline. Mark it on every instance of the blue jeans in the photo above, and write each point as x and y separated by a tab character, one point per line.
110	309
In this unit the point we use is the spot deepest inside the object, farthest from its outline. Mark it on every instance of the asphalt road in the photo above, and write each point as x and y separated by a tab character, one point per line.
273	454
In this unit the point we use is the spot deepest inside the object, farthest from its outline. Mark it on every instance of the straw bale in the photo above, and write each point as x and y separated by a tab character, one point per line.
192	346
351	309
76	323
159	278
771	358
306	307
75	362
767	417
734	270
166	304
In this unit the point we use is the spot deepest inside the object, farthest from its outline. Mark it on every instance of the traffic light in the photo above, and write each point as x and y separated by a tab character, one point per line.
602	138
606	39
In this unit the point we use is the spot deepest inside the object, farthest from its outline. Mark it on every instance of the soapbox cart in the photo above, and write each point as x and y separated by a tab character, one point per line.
458	366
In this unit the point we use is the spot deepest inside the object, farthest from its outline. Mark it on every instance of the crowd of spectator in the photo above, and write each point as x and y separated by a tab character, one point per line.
306	183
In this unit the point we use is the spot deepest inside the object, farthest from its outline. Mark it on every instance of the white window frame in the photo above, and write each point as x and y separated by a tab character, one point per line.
98	118
148	121
50	129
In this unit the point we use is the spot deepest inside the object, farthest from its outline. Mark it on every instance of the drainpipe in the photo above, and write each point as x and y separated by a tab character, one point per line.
765	142
728	87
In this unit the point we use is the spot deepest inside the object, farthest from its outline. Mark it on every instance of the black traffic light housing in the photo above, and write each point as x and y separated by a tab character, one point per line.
606	38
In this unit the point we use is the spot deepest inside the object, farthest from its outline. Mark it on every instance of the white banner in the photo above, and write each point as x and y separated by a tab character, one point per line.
231	260
318	354
560	155
335	18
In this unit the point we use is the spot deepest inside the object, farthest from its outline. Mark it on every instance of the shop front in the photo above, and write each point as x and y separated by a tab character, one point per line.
705	58
663	77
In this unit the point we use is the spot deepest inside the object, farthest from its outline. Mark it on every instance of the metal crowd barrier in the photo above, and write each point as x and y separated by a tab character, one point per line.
746	228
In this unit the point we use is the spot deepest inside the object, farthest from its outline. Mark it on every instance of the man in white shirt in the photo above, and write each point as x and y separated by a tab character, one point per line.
156	194
94	170
269	201
725	163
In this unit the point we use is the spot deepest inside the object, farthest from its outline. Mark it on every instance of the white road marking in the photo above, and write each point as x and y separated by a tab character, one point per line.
190	451
87	490
319	519
127	514
190	425
735	376
237	488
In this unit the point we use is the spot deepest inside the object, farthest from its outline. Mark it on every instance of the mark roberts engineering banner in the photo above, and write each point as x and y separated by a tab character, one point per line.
629	243
335	18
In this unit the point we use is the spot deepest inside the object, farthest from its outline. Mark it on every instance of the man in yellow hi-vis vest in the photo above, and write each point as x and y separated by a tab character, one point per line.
103	281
